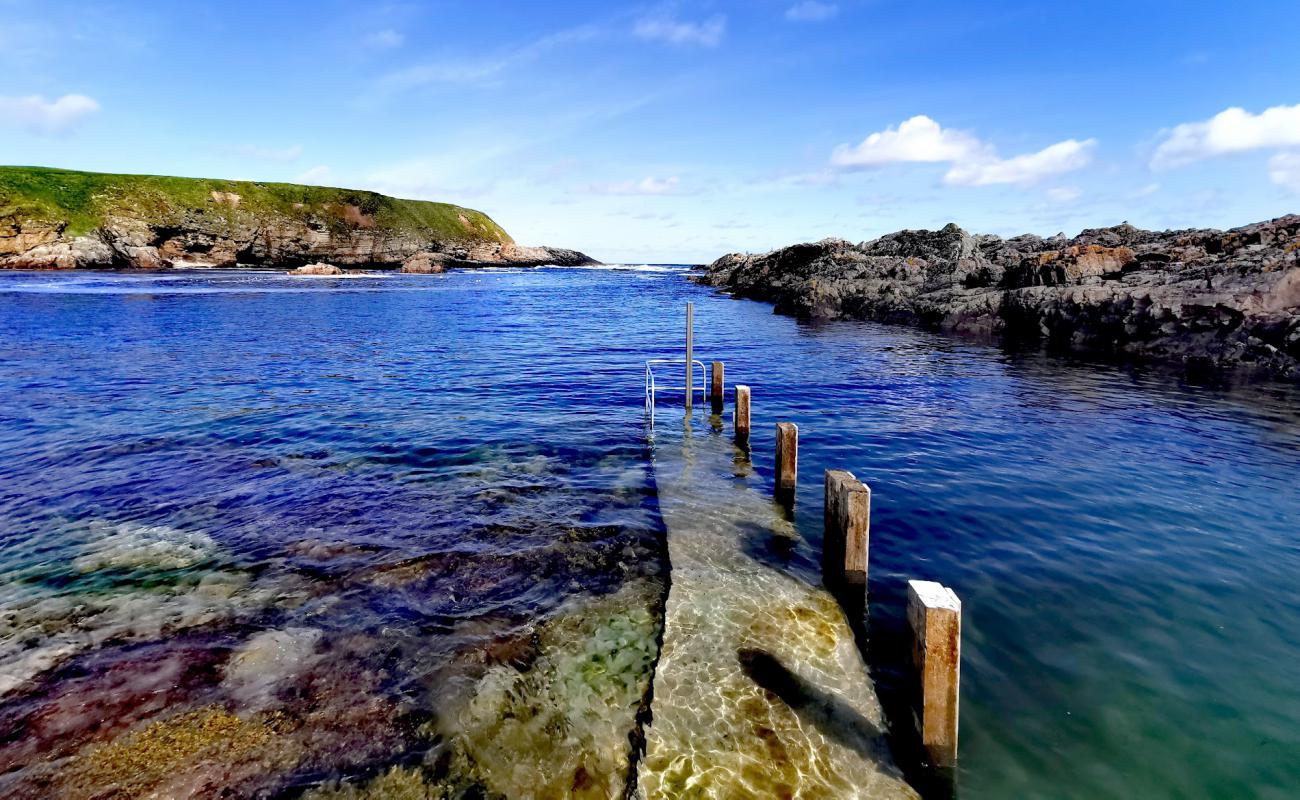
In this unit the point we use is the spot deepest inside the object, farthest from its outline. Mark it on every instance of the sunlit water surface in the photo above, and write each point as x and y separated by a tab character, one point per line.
266	534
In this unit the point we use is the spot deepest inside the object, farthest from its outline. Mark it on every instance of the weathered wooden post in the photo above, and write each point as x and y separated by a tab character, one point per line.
740	416
934	612
847	538
716	387
787	458
690	353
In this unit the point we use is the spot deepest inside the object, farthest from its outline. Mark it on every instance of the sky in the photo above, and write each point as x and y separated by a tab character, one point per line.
677	132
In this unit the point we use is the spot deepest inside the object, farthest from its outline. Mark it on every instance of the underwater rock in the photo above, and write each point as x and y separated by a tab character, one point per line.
396	784
100	695
565	726
266	661
160	753
129	584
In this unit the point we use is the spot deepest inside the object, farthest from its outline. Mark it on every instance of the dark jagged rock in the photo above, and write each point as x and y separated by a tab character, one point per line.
1200	297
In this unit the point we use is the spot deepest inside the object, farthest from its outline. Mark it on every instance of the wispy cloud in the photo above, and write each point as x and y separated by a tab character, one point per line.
469	72
1064	195
973	161
38	115
786	180
1284	170
387	39
646	186
320	175
1234	130
667	28
456	173
291	153
811	11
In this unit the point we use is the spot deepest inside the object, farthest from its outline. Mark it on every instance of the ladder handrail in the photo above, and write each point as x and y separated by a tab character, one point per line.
652	387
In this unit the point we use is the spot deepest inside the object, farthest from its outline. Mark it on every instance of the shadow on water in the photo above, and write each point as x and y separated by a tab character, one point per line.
831	716
773	548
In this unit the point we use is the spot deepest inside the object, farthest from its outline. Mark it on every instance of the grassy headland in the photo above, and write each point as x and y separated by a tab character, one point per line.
83	201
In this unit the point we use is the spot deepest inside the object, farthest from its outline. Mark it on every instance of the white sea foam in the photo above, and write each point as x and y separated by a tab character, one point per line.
129	545
660	268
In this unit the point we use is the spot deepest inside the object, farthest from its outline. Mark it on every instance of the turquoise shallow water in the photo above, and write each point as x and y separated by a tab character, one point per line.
391	477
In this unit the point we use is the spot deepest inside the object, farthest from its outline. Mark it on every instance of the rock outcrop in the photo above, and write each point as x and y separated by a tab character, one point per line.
57	219
1200	297
316	269
430	262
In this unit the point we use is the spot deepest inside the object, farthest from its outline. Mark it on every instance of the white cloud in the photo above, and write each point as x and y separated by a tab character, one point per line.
383	40
1056	159
1146	191
1284	170
811	11
919	139
974	162
645	186
39	115
706	33
292	153
316	176
1232	131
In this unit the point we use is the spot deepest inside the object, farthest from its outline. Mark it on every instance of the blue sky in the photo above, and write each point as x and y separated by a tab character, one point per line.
681	131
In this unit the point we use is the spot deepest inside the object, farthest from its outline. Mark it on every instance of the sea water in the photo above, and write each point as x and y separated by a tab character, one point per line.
280	535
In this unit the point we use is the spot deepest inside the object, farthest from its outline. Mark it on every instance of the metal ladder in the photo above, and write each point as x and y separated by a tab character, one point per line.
652	387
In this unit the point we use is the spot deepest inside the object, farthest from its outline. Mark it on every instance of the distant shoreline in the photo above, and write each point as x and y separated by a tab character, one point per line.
63	219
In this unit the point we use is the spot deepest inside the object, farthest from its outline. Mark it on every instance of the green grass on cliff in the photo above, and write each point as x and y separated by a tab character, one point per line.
83	200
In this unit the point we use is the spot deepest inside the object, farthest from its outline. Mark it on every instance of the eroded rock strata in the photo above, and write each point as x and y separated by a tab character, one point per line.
1201	297
201	239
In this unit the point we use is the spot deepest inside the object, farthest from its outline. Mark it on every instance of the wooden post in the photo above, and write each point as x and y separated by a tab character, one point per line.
690	353
787	457
716	387
934	613
847	536
741	414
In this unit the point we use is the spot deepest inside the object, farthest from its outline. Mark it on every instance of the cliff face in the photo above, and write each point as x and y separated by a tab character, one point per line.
56	219
1201	297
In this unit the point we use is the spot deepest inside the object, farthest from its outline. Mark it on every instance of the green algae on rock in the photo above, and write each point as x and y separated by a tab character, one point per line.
399	783
567	725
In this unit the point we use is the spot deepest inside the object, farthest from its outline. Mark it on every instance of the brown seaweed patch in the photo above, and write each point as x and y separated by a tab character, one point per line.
142	760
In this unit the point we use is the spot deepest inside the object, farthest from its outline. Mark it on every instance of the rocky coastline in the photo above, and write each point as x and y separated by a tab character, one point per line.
1224	300
59	219
209	241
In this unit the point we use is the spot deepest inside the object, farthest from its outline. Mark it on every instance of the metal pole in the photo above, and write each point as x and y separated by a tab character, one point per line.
690	351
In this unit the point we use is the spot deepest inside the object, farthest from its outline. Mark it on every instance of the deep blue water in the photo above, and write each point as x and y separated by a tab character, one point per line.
1125	546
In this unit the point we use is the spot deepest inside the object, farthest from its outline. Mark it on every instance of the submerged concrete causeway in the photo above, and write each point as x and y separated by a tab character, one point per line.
759	690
